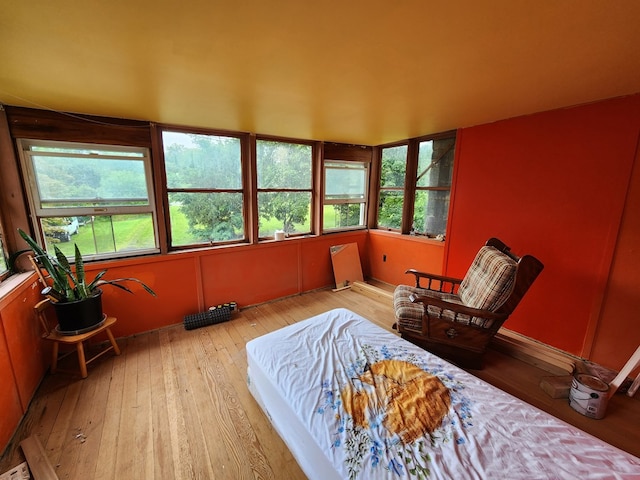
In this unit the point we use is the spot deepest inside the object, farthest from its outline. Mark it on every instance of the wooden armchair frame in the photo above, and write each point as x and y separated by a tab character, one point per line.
458	332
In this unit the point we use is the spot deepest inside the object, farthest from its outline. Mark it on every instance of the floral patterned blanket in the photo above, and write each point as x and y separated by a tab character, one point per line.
353	401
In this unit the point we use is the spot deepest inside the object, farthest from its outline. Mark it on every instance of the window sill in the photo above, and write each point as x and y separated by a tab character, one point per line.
12	285
411	238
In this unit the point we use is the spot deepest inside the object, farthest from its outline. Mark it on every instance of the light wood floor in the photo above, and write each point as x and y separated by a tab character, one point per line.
175	404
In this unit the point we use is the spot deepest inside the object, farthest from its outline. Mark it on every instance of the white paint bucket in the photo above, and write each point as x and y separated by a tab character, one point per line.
589	396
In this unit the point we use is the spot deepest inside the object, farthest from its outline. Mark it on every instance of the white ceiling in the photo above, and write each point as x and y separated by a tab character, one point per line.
354	71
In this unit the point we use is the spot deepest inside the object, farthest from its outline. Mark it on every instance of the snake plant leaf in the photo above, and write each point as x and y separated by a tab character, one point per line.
70	286
81	285
94	283
117	283
59	278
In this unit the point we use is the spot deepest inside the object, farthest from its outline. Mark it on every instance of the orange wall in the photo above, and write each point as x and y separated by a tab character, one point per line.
402	253
9	399
554	185
617	332
189	282
23	355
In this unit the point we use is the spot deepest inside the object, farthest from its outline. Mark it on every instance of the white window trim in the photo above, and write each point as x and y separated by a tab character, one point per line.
37	212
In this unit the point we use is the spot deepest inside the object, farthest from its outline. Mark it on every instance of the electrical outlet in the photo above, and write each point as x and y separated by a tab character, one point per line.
384	258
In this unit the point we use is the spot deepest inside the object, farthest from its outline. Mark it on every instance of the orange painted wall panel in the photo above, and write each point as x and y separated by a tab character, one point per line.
28	352
617	335
190	282
554	185
173	278
9	398
402	252
251	275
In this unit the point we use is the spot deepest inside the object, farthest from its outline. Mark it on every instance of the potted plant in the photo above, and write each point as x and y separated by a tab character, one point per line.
77	302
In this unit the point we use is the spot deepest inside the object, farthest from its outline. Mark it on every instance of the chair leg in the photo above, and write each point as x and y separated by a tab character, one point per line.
54	357
81	360
114	344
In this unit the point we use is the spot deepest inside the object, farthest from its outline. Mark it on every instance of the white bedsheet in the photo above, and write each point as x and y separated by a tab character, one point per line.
331	389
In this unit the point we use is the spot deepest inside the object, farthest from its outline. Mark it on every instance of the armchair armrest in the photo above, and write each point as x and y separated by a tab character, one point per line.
444	284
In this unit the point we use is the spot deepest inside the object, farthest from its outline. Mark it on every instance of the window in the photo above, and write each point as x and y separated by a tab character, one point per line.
4	268
284	187
99	197
433	185
392	178
204	188
415	184
345	194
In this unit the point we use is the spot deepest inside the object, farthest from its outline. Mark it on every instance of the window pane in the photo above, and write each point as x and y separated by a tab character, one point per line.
283	165
430	212
3	258
345	180
205	217
390	209
435	163
97	235
394	166
288	211
343	216
98	196
202	161
64	180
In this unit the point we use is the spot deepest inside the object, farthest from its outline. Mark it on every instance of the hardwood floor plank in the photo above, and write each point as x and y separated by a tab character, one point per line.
203	404
134	451
162	449
81	449
105	465
180	454
63	426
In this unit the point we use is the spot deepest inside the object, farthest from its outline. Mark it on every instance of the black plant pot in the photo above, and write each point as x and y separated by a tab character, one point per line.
79	316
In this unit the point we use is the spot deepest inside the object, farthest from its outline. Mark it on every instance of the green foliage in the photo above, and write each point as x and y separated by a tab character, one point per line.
287	167
71	284
81	178
390	209
393	169
213	163
394	165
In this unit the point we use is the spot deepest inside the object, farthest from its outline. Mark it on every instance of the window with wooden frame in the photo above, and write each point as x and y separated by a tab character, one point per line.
345	195
204	185
285	187
415	185
99	197
433	186
4	267
393	170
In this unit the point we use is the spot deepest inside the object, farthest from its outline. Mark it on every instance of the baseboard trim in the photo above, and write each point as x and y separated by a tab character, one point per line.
534	352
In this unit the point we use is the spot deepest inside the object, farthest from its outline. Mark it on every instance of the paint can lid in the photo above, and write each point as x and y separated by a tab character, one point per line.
594	383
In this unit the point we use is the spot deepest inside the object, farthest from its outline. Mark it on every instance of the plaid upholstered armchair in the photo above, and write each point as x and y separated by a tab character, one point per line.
457	318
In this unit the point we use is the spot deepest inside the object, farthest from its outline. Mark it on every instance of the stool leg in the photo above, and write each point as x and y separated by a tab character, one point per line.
54	357
116	349
81	360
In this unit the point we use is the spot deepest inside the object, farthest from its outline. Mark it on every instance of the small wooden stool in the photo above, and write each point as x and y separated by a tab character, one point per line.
57	338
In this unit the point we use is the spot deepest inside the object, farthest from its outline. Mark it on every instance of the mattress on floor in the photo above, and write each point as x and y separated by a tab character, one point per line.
352	400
